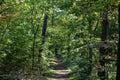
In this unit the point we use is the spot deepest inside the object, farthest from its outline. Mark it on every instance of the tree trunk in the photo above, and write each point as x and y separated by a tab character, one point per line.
68	46
33	54
101	72
44	28
118	54
90	61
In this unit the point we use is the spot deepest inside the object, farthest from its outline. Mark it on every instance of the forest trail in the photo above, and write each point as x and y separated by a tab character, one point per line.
60	71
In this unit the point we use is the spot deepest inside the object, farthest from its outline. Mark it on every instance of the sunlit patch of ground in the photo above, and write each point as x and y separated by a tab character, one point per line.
59	72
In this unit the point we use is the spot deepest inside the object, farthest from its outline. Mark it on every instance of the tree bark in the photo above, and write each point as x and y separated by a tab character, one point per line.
44	28
90	62
118	53
102	50
68	46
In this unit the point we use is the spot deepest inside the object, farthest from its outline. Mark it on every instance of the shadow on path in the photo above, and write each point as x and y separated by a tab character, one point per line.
60	71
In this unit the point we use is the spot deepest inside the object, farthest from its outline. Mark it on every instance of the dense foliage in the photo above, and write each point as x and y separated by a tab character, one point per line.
74	29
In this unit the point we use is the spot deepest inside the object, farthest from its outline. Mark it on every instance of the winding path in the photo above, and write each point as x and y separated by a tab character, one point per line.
60	71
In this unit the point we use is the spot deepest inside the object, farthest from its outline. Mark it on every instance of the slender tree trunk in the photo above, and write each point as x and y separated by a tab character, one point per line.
44	27
90	57
90	49
33	45
118	54
56	53
68	48
33	54
102	49
52	13
33	31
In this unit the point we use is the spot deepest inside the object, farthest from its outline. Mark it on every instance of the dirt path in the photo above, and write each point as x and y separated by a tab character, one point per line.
60	71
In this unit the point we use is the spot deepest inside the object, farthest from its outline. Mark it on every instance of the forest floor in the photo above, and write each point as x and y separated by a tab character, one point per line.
60	71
